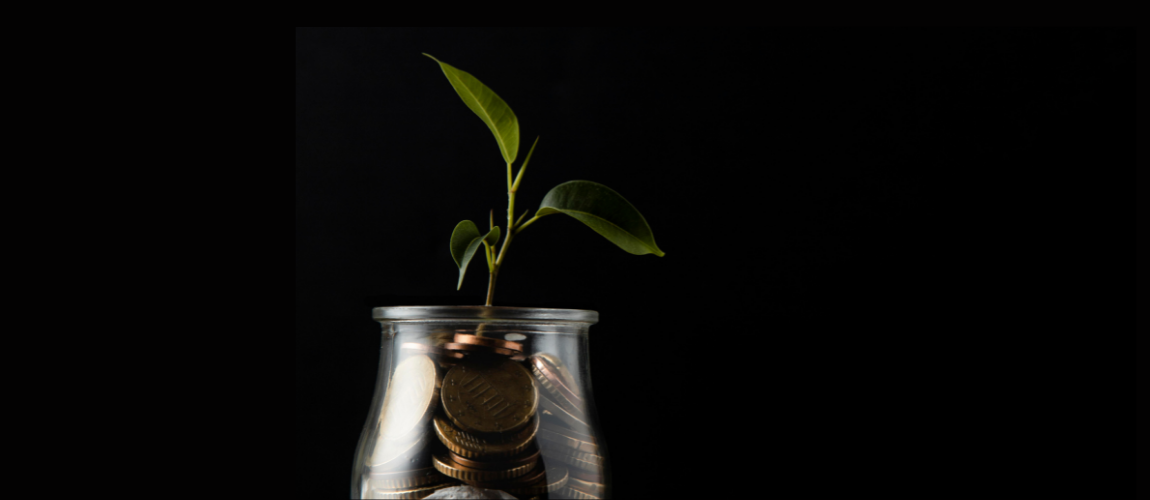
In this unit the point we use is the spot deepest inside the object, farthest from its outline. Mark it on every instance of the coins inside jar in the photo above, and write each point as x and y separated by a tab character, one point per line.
503	419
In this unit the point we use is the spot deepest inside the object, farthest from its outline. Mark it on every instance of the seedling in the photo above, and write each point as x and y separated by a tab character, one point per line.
598	206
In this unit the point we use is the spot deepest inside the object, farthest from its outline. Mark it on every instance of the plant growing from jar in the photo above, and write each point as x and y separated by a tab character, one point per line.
493	402
599	207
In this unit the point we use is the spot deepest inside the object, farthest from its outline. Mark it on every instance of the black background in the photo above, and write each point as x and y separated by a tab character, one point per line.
870	239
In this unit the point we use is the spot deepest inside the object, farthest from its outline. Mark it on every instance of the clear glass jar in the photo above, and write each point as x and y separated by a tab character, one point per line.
497	398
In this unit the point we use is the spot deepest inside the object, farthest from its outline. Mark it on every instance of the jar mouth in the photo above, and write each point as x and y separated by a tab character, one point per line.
484	313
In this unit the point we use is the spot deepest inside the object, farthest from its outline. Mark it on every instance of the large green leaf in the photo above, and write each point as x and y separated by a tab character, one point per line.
489	107
465	241
603	210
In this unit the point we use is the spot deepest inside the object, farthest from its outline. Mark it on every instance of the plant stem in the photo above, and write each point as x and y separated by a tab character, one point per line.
512	187
491	286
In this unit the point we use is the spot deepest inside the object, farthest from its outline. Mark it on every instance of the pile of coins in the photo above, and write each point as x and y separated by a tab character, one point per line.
473	409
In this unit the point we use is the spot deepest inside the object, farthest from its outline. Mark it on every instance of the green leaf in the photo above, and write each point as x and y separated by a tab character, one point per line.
603	210
489	107
465	240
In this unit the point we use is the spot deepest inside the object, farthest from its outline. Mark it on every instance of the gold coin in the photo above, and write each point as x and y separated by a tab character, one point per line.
484	445
407	479
568	438
411	398
391	455
597	489
453	469
413	493
497	395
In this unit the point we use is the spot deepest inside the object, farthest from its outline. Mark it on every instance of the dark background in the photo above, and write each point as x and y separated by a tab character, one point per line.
871	239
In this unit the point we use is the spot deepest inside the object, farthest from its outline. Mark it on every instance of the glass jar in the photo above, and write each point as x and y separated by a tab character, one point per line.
497	398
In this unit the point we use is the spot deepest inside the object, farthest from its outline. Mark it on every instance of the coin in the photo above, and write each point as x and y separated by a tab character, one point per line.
391	455
463	338
484	445
570	492
592	477
560	436
541	480
564	374
406	479
494	396
597	489
528	458
411	398
480	348
586	461
453	469
548	377
412	493
567	417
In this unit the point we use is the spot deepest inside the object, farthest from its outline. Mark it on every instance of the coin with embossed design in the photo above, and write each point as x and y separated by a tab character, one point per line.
411	398
494	395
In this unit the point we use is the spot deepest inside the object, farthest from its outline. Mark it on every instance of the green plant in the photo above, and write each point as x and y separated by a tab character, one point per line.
596	205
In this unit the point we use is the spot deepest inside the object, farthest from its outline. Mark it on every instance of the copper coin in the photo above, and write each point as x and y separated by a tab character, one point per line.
479	348
495	464
463	338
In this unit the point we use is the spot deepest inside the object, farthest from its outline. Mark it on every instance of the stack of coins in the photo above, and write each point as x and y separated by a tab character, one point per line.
564	434
474	409
399	464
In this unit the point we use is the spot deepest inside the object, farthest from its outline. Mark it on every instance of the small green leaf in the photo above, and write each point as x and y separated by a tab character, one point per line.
489	107
465	240
604	211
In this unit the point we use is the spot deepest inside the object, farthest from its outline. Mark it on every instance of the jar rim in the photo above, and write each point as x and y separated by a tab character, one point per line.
484	313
